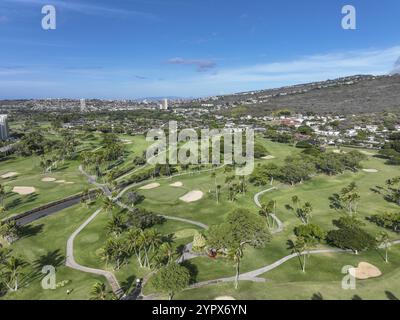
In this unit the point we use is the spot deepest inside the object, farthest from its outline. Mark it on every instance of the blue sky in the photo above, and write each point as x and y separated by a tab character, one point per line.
143	48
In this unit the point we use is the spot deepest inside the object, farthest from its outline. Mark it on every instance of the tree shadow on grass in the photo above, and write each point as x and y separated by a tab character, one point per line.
356	297
317	296
335	202
21	200
390	295
52	258
30	230
129	285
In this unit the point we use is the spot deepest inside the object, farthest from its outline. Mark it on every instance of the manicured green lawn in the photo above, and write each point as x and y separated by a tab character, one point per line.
30	175
44	244
323	278
286	282
317	191
89	242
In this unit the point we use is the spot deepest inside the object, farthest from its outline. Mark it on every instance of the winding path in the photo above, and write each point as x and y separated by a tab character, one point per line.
70	260
258	204
253	275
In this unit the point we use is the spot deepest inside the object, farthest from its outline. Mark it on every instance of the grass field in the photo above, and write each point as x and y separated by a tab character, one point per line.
323	275
30	175
44	243
90	241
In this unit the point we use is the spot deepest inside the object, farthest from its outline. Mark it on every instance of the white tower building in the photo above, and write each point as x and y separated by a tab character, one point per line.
83	105
164	104
4	133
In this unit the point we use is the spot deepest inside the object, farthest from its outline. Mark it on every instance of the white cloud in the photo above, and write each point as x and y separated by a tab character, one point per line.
305	69
85	8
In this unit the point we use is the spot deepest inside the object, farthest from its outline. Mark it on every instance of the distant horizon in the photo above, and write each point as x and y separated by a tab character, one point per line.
158	99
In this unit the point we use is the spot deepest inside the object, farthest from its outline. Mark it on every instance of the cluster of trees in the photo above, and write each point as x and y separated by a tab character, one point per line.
99	292
387	220
346	200
307	237
230	238
99	161
9	230
391	149
299	168
351	235
393	190
131	233
302	210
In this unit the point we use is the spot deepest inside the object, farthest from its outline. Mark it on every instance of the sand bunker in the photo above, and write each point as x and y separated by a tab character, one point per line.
365	270
370	170
338	151
150	186
176	184
48	179
23	190
59	181
192	196
367	153
9	175
225	298
69	182
269	157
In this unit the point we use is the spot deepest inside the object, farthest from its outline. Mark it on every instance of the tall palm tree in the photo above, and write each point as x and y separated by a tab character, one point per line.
2	194
384	241
13	272
236	255
108	204
98	291
214	176
295	202
242	184
266	211
307	212
133	244
218	192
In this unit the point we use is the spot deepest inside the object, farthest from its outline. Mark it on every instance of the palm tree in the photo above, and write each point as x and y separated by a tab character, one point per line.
115	226
242	184
214	176
384	241
266	211
133	244
218	192
296	202
12	272
108	204
302	246
9	230
98	291
2	194
306	211
236	255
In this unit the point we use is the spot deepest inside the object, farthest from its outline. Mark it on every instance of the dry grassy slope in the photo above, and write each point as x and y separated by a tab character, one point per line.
368	95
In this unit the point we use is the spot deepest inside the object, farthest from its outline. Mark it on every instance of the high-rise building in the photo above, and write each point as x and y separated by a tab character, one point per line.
83	105
4	134
164	104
